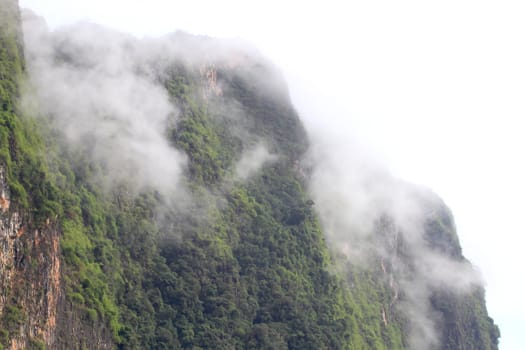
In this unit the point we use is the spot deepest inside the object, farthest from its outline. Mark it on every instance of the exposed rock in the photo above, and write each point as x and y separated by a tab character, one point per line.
29	275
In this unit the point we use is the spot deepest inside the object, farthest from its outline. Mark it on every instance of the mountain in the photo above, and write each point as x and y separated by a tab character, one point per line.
157	194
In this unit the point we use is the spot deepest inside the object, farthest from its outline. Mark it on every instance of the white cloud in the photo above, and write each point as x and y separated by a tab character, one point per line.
252	160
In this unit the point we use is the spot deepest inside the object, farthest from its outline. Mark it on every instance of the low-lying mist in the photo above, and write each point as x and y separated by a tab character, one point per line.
91	84
373	220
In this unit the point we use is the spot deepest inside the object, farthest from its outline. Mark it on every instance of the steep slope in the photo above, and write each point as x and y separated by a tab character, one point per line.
29	254
445	308
228	254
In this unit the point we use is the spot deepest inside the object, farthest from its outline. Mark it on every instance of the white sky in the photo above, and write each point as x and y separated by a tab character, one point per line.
434	88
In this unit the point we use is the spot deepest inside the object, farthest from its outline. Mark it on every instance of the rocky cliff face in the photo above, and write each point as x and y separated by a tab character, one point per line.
30	262
30	277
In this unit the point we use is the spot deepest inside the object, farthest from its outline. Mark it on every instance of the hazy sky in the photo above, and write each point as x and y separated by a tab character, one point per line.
436	89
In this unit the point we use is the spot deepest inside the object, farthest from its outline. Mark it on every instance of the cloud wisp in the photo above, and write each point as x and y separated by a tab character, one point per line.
372	218
92	84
